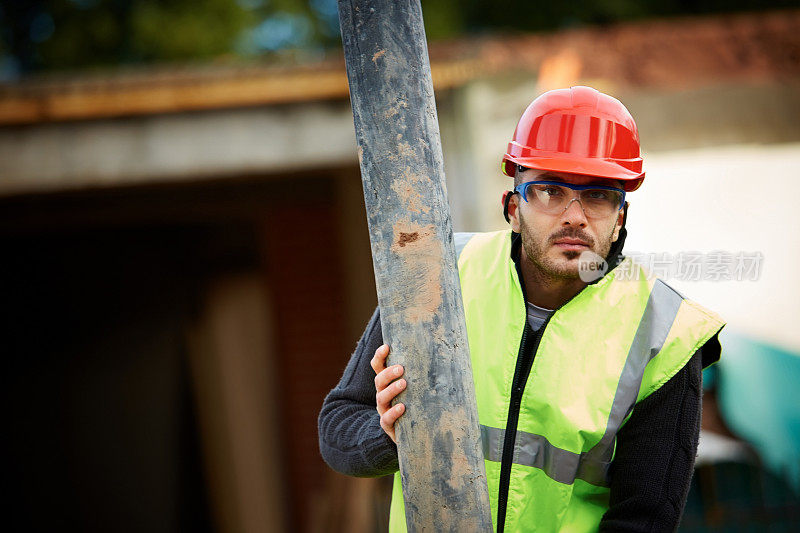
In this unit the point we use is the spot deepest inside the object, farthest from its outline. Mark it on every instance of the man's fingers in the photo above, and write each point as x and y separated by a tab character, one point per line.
386	376
378	361
387	387
390	417
384	398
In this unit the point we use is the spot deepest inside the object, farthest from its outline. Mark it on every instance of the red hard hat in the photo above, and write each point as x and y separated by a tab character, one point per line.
580	131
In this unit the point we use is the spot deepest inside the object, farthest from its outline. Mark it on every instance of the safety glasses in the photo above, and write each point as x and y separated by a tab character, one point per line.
554	197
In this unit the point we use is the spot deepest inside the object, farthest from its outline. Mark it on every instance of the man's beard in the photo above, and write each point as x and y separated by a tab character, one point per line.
537	253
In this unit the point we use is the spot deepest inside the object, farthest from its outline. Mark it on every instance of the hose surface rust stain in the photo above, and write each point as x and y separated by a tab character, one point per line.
421	277
406	238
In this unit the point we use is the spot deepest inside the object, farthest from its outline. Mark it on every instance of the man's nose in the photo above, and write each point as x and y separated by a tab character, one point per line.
573	215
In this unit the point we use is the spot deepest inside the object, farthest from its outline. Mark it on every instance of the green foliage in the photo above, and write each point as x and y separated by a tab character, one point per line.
58	34
89	33
82	37
185	29
444	19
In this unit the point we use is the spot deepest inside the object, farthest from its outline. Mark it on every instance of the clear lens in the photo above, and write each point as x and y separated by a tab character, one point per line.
554	199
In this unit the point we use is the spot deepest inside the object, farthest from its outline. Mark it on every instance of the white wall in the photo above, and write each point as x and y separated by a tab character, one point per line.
733	198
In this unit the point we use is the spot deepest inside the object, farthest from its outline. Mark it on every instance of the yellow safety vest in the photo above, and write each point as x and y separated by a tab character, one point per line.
611	346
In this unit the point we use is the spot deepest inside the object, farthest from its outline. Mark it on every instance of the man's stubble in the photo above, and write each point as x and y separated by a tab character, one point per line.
537	251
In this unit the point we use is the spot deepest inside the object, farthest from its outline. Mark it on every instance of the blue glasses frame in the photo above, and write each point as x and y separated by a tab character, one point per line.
523	186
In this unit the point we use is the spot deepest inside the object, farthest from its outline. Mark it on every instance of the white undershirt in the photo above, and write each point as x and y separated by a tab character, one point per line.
537	315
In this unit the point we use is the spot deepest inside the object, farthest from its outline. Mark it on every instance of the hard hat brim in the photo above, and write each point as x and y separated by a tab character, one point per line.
599	168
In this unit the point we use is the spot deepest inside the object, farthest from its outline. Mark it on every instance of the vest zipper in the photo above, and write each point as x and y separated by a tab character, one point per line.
522	370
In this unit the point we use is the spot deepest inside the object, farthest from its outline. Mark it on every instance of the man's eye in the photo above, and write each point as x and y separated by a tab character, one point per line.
598	194
553	191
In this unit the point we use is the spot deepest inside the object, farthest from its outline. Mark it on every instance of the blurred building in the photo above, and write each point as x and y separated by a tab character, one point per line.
186	264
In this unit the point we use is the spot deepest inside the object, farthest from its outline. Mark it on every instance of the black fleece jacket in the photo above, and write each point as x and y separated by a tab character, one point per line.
654	456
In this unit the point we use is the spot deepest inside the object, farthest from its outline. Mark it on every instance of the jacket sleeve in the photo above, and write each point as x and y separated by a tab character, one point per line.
655	453
351	439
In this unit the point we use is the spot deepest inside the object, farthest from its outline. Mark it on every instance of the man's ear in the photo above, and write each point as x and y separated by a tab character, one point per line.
512	202
620	222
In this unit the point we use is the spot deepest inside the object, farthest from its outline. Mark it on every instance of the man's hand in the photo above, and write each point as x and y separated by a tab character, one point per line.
387	387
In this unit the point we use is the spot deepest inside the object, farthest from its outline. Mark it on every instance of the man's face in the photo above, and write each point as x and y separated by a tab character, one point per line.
553	243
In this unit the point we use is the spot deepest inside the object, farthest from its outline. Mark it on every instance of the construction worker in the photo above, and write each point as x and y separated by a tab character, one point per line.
587	369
